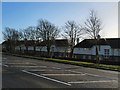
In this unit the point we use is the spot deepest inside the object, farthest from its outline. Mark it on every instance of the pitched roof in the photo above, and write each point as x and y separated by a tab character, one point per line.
61	42
88	43
57	42
28	42
43	43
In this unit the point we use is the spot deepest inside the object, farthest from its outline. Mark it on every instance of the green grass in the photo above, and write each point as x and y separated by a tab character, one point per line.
102	66
80	63
115	67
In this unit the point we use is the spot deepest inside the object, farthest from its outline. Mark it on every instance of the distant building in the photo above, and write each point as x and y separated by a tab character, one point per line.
107	48
58	47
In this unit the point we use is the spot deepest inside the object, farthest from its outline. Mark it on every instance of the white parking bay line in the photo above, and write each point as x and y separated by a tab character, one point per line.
62	74
74	71
5	58
30	66
6	65
89	74
22	63
80	82
36	70
46	78
56	68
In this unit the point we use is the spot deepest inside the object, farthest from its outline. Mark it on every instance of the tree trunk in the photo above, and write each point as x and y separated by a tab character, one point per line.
20	49
34	49
71	53
48	51
97	55
26	50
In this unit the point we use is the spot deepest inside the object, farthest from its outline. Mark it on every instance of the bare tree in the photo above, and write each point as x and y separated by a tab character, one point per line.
10	33
72	32
26	33
20	38
47	32
11	36
30	33
26	37
34	36
92	27
20	35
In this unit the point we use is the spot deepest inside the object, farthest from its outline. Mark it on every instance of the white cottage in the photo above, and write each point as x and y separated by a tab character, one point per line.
107	48
58	48
24	46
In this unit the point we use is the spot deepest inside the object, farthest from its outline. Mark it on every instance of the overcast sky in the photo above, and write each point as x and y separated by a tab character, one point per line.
23	14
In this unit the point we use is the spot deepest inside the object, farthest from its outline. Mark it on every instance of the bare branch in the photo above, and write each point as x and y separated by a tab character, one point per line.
93	25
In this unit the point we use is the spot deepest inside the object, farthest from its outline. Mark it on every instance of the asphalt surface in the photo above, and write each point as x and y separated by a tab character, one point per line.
18	72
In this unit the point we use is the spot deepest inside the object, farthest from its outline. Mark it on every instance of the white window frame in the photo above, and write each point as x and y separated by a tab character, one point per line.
106	53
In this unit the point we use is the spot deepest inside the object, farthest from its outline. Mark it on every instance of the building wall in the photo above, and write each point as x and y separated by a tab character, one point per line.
90	53
52	49
22	47
38	48
116	52
82	51
17	48
30	48
101	49
42	50
61	49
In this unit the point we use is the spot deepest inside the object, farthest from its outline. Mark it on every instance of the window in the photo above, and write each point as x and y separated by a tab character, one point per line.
106	53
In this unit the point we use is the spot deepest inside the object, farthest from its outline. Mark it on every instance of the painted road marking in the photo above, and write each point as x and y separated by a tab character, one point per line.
4	58
65	83
62	74
36	70
98	76
56	68
101	81
6	65
91	74
30	66
74	71
21	63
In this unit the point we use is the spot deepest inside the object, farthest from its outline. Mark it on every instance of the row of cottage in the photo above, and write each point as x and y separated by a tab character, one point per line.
107	48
